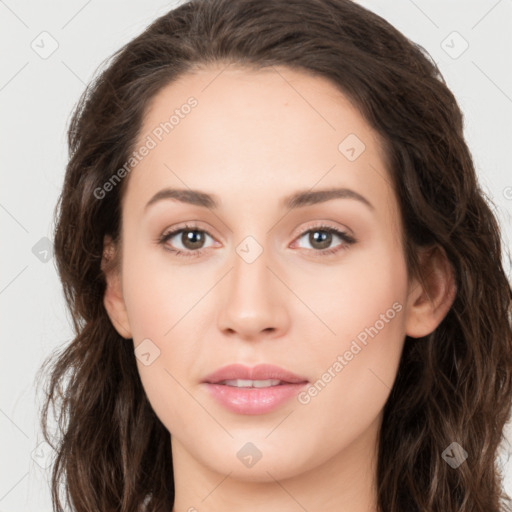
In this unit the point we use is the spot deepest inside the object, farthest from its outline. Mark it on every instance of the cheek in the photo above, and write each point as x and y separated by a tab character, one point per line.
356	367
158	293
366	289
162	309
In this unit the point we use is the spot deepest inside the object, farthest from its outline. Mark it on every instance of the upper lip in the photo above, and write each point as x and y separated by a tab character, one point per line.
259	372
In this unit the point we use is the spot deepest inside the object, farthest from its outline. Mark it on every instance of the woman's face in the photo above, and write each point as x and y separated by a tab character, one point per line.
293	258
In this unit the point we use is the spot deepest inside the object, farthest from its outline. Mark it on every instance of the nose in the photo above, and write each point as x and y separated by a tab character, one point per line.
252	304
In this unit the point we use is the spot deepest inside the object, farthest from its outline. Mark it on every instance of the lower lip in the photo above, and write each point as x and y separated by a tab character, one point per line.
253	400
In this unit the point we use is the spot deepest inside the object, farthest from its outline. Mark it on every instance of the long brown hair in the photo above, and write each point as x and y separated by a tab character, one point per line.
454	385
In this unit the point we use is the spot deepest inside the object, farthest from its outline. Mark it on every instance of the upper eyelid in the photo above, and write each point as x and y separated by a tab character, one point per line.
301	232
320	226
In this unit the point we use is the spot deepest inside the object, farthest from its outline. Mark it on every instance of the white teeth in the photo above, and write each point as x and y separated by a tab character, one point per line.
240	383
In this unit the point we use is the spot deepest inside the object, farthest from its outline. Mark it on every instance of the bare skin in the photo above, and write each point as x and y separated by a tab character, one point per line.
255	138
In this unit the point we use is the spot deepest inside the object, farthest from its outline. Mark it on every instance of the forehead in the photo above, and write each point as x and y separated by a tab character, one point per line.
255	132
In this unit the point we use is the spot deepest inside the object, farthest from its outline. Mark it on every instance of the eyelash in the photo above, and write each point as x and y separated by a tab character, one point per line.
347	240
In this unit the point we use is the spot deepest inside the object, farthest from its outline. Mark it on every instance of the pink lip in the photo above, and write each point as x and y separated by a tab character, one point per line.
253	400
259	372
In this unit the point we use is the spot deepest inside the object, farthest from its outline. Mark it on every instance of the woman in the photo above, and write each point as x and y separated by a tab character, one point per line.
219	363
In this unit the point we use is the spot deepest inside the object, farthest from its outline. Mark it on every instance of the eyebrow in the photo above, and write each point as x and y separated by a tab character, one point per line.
298	199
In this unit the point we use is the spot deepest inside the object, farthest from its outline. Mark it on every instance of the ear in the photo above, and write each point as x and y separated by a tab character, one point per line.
431	297
113	299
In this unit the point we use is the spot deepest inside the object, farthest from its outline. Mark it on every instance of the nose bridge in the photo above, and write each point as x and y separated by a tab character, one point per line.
250	266
253	301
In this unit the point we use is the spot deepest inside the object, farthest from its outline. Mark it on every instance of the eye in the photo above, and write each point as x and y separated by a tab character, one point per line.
321	237
191	239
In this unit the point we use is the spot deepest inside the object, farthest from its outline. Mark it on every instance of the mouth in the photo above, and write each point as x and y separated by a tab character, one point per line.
262	375
258	390
243	383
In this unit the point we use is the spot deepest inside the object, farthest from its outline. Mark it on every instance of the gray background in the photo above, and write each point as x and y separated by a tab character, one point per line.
37	93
